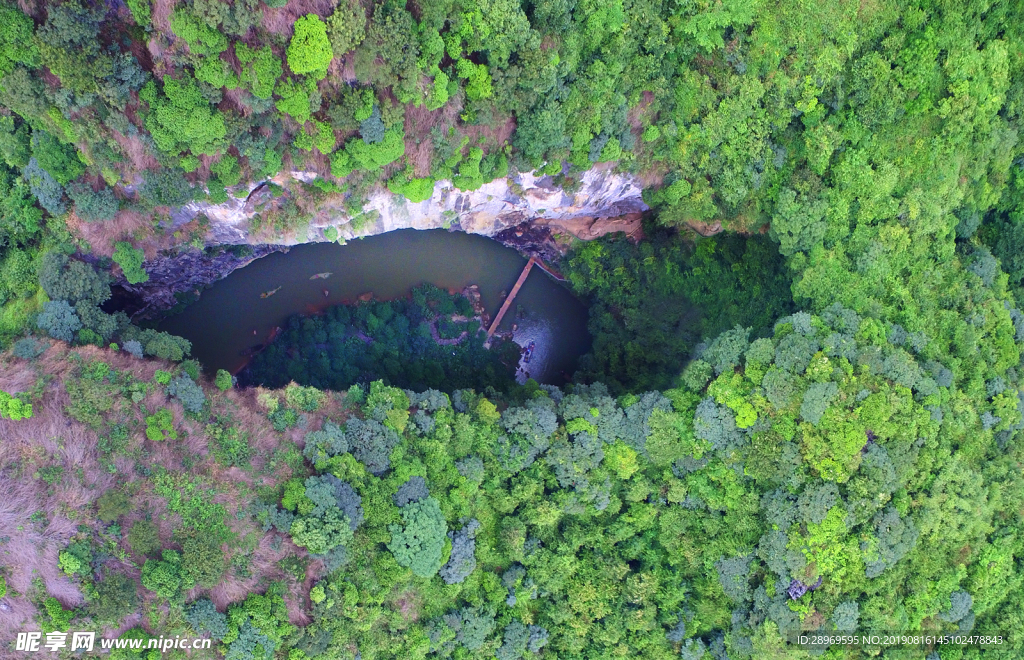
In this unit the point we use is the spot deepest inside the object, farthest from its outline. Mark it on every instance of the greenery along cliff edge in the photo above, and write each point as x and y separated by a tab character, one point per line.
853	461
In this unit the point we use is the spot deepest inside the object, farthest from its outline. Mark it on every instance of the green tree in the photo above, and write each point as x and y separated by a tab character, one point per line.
419	544
309	51
130	260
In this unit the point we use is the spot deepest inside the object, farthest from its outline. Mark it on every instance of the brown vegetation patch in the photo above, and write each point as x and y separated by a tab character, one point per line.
127	225
495	134
281	20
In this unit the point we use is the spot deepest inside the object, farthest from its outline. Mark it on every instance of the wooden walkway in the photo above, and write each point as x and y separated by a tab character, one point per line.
510	298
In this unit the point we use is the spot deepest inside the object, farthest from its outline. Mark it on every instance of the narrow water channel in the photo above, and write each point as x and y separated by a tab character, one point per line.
231	318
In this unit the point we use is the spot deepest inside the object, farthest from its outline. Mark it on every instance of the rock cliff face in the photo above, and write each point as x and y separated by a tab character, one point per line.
528	213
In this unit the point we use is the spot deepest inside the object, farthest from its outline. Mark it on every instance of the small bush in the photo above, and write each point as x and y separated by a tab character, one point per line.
29	348
160	426
130	260
112	505
76	559
223	380
163	577
188	393
205	619
144	538
308	399
116	598
60	618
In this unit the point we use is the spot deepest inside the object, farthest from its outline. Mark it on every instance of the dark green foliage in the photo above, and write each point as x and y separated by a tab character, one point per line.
346	27
166	187
59	320
413	490
257	626
59	160
90	205
390	340
45	188
116	598
188	393
202	561
144	538
205	619
645	314
419	543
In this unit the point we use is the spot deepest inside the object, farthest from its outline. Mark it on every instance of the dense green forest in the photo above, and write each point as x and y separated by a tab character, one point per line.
431	341
811	422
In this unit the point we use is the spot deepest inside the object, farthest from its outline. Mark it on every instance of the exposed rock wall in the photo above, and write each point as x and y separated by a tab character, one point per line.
526	212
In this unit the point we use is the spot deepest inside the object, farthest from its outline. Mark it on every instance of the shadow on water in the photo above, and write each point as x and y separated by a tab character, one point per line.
230	319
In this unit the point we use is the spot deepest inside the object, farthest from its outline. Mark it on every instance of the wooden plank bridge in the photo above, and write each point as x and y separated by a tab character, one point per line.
515	290
510	298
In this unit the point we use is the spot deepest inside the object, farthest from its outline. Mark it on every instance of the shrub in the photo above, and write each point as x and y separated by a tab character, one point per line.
60	618
3	586
163	577
202	561
223	380
90	205
133	348
308	399
144	537
130	260
188	393
204	618
76	559
346	27
29	348
13	408
160	425
310	50
116	598
112	505
229	444
419	545
45	188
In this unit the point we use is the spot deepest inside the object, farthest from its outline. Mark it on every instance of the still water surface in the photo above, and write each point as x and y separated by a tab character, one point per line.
230	318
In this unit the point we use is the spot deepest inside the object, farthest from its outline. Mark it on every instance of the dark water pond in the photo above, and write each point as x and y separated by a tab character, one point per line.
230	318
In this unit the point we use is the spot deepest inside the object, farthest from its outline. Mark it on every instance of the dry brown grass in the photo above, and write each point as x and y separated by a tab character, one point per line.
161	16
282	20
127	225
